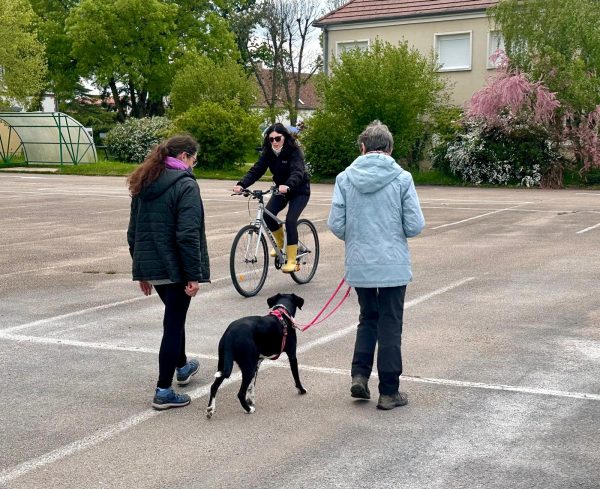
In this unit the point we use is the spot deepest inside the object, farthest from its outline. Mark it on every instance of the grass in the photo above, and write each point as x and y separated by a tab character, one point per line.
572	179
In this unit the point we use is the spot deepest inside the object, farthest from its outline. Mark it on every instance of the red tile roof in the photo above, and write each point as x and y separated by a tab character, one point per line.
308	92
370	10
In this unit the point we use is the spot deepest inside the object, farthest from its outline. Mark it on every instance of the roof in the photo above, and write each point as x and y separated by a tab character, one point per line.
308	94
371	10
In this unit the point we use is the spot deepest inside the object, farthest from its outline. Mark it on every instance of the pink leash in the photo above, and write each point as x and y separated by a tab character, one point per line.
316	320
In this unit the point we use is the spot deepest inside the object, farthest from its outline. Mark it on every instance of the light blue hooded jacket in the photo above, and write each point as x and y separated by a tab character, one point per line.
375	209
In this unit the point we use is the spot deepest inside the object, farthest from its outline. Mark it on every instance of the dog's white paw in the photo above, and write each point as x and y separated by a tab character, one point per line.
252	409
209	412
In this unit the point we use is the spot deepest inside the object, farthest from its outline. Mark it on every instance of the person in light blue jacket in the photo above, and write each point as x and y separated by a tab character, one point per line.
375	208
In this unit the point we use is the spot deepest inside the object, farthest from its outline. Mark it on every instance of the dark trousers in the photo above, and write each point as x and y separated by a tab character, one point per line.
297	204
172	346
380	324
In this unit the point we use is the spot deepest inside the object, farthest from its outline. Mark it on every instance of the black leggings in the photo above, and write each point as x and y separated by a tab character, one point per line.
172	346
297	205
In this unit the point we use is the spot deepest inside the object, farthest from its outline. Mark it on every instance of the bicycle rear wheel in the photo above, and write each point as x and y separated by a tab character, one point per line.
308	252
249	261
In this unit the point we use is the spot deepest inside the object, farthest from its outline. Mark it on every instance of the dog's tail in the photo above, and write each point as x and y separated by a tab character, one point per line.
225	365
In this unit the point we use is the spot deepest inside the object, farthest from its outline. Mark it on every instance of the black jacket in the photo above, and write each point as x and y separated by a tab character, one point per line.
288	168
166	233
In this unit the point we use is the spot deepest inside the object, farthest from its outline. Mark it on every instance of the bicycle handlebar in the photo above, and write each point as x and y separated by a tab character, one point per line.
255	194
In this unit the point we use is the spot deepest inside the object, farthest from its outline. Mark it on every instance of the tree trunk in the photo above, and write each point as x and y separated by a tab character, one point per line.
135	111
121	116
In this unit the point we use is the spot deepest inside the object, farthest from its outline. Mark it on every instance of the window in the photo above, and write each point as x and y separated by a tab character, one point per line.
345	46
495	44
453	51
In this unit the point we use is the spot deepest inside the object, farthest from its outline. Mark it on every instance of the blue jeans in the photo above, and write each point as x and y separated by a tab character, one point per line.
380	324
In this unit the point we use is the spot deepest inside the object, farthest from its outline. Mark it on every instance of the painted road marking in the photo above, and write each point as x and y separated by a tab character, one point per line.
117	428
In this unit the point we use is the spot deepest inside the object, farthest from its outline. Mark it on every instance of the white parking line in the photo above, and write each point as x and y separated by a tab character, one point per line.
588	229
81	312
474	217
515	202
117	428
461	383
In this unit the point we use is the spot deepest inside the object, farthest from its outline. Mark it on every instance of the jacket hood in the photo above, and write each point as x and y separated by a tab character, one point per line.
370	172
159	186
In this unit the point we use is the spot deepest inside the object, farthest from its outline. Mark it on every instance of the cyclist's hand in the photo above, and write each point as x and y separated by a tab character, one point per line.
237	189
283	189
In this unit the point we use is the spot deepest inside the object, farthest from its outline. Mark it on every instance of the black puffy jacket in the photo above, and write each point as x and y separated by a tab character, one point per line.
166	234
288	168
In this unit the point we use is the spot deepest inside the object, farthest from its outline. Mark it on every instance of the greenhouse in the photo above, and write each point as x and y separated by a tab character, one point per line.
44	138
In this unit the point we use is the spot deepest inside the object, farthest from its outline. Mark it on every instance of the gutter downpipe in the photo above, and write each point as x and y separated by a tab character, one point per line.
325	50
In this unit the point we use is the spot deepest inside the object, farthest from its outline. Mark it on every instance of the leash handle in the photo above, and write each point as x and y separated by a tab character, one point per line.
316	318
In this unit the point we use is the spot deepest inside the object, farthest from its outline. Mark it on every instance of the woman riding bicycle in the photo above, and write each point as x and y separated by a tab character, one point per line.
282	155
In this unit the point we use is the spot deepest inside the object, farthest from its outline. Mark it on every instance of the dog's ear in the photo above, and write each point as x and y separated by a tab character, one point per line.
298	301
271	301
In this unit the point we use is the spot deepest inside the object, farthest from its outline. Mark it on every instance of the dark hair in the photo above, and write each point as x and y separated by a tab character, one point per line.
154	164
289	140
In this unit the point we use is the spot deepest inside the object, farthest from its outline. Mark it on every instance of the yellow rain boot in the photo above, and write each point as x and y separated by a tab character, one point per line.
291	252
278	235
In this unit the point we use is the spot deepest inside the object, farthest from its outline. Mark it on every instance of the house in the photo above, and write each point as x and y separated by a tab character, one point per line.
308	102
458	32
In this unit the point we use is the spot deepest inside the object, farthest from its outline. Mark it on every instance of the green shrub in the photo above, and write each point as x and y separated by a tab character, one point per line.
488	154
200	79
226	132
329	143
395	84
133	140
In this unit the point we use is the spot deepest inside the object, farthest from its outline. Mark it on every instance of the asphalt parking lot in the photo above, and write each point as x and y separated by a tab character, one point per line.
501	352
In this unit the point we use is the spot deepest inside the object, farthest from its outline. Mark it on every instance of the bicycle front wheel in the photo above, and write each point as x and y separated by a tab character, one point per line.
249	261
308	252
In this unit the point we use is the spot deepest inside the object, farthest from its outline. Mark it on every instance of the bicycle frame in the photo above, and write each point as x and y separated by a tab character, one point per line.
259	223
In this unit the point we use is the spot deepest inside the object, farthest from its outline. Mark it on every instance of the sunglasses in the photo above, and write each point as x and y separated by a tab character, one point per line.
276	139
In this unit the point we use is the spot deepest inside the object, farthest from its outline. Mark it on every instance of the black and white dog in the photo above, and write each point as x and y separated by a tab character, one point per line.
249	340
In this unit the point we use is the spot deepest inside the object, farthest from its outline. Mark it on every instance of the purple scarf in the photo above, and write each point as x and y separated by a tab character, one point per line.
175	164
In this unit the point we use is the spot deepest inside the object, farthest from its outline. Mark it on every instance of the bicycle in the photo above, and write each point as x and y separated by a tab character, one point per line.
249	257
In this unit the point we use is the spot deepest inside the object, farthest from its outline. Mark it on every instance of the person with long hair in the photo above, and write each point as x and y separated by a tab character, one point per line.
167	242
282	155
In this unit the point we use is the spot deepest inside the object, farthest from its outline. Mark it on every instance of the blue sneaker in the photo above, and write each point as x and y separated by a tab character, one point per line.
184	374
168	398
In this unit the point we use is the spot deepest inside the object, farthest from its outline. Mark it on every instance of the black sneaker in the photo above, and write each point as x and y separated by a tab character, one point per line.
169	399
184	374
360	389
390	402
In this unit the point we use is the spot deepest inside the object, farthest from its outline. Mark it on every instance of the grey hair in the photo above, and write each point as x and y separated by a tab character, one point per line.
377	137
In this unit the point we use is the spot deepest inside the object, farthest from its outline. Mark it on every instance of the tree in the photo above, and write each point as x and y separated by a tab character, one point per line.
200	79
202	26
395	84
558	43
22	62
113	49
287	28
63	78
